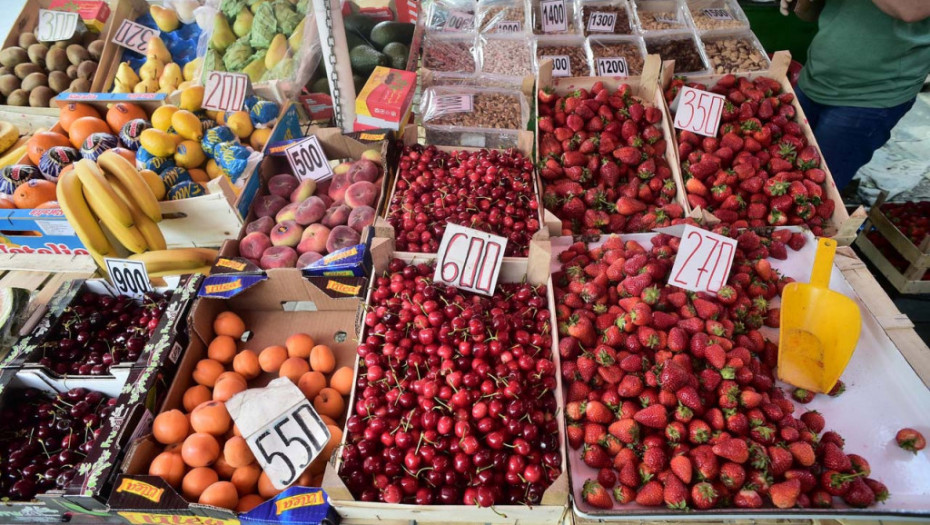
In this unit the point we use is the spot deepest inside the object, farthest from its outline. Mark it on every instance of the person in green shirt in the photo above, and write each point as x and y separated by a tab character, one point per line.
864	70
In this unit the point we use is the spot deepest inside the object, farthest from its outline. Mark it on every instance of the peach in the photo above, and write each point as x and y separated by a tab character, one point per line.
338	186
336	216
309	211
361	217
361	193
263	225
253	245
342	237
282	185
286	233
268	205
306	189
322	187
278	257
363	170
287	213
314	239
372	155
307	258
327	200
342	168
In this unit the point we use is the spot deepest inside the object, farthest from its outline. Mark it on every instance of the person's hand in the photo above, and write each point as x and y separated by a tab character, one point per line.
785	7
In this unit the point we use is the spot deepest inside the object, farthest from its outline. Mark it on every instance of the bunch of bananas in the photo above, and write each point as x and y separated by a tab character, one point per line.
113	193
12	147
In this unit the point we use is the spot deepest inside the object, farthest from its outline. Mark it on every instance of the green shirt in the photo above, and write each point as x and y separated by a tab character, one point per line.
865	58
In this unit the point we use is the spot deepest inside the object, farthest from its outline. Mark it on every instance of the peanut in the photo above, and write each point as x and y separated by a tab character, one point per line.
732	55
506	57
682	50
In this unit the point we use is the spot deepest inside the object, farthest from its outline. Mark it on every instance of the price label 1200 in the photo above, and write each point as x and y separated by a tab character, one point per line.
703	261
699	111
308	161
56	25
134	36
470	259
225	91
128	276
612	67
553	16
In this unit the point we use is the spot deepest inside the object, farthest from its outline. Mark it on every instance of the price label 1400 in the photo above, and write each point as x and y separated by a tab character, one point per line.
553	16
134	36
128	276
56	25
225	91
699	111
469	259
703	261
308	161
612	67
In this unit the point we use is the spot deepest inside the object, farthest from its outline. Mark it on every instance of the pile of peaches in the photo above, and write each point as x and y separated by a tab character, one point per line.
205	455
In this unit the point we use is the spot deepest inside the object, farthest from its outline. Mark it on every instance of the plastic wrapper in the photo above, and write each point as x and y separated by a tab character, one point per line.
659	15
131	131
506	55
264	26
12	176
185	190
451	16
97	143
172	176
264	113
502	16
712	15
232	158
474	116
568	54
553	17
735	52
605	50
214	136
285	13
147	161
605	17
449	53
54	160
238	54
682	47
232	7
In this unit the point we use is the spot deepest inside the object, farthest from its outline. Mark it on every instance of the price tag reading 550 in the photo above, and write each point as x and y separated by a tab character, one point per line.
699	111
470	259
128	276
703	261
308	161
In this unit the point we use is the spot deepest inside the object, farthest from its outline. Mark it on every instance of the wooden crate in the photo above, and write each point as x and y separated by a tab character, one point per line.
910	280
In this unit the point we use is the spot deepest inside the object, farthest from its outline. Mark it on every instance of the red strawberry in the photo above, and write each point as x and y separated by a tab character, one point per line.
628	155
814	421
594	456
803	453
598	412
629	206
704	496
681	467
839	387
736	450
706	309
626	430
859	494
747	499
624	494
593	433
653	416
785	494
834	458
910	440
675	494
732	475
821	499
878	489
650	494
594	494
802	396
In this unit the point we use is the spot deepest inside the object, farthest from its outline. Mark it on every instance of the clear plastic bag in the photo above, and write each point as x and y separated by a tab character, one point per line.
735	52
451	16
474	107
683	48
608	50
660	15
711	15
506	55
569	55
450	53
502	16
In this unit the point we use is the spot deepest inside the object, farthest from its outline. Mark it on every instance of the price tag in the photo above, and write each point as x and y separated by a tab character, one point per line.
717	14
665	18
128	276
460	21
454	104
281	428
602	22
225	91
561	65
703	261
554	18
470	259
134	36
509	27
699	111
308	161
56	25
612	67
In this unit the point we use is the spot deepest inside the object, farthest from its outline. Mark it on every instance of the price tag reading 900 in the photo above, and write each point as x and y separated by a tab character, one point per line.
699	111
129	277
554	18
225	91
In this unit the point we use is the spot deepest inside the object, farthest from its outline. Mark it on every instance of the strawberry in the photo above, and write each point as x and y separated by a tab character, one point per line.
802	396
575	435
653	416
594	456
833	457
607	477
878	489
626	430
594	494
821	499
675	494
587	367
704	496
736	450
839	387
803	453
598	412
681	467
910	440
593	433
706	309
651	494
859	494
814	421
732	475
747	499
785	494
836	483
629	206
624	494
654	459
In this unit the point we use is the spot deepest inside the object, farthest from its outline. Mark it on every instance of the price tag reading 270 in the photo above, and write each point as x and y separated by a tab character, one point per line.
128	276
225	91
703	262
308	161
470	259
699	111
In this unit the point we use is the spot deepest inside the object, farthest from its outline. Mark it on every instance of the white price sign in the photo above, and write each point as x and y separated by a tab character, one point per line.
460	21
128	276
469	259
134	36
699	111
225	91
56	25
454	104
612	67
561	65
601	22
553	17
717	14
281	427
308	161
703	262
509	27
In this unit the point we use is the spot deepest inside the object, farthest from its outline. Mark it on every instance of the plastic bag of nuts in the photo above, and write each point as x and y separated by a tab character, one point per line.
506	55
735	53
617	56
660	15
709	15
452	16
601	17
449	53
568	54
553	16
682	48
502	16
474	108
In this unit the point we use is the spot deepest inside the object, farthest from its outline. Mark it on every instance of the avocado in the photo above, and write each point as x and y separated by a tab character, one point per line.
353	40
386	32
359	82
320	86
398	54
361	24
365	59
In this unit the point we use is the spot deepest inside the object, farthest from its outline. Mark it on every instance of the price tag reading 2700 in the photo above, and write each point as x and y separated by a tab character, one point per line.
308	161
128	276
554	19
225	91
470	259
699	111
703	262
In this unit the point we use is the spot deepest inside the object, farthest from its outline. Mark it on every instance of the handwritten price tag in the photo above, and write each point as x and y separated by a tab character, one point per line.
613	67
134	36
225	91
717	14
283	441
129	277
601	22
699	111
703	262
308	161
554	18
56	25
509	27
469	259
454	104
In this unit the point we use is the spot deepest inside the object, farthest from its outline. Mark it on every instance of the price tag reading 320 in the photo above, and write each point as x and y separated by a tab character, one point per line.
308	161
612	67
134	36
699	111
703	261
128	276
601	22
554	19
225	91
56	25
470	259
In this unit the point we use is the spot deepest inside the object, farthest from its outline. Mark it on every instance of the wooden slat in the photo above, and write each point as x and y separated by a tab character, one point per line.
894	276
24	279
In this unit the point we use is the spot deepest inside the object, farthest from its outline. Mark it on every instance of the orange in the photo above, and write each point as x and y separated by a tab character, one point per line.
228	323
311	383
249	502
75	110
33	193
199	176
228	385
329	402
246	364
200	449
6	202
237	452
194	396
170	427
272	358
121	113
84	127
220	494
42	141
322	359
265	488
206	372
328	420
169	466
211	418
293	368
341	380
299	345
196	481
223	468
246	479
222	348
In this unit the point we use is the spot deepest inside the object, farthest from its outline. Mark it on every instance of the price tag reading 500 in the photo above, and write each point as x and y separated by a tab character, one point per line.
308	161
129	277
699	111
470	259
703	261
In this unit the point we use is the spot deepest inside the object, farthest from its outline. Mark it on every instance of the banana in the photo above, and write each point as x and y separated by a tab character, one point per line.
175	259
98	258
201	269
131	238
70	197
14	153
8	135
138	191
102	199
147	227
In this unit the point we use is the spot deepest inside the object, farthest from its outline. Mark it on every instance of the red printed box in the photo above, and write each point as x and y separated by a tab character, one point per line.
94	13
386	100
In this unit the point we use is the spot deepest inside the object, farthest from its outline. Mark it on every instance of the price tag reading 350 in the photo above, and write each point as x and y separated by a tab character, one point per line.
56	25
308	161
699	111
554	18
703	261
128	276
470	259
225	91
134	36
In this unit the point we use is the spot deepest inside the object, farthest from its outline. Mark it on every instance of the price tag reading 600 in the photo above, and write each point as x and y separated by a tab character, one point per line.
470	259
699	111
129	277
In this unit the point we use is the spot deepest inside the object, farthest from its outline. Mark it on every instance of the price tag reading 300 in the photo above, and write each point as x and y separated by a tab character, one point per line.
699	111
128	276
308	161
56	25
703	261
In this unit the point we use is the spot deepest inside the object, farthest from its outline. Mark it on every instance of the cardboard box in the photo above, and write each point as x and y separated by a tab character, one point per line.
94	13
386	100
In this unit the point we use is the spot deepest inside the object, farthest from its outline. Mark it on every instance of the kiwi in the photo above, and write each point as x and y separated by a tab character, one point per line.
62	44
80	85
8	84
35	80
40	97
57	59
57	80
6	71
25	69
77	54
37	53
87	69
72	72
95	49
13	56
27	39
18	98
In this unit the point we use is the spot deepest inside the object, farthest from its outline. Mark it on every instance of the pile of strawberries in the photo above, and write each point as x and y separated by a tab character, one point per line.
671	397
759	167
912	218
602	160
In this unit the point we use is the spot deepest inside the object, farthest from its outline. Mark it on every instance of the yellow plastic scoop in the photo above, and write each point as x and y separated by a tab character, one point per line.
819	328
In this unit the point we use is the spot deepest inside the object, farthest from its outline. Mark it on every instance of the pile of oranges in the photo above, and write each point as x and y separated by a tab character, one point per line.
205	455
